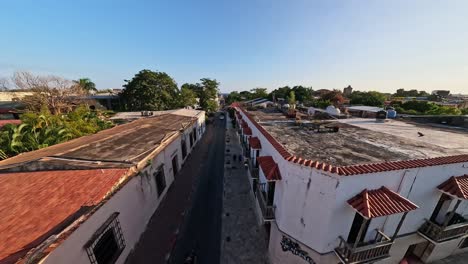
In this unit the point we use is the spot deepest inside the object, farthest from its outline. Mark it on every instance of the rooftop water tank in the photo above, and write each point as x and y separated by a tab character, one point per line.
331	110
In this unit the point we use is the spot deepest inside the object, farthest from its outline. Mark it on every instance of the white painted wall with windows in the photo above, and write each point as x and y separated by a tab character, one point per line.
135	202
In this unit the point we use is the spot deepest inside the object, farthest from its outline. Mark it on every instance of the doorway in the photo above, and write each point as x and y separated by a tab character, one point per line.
355	227
441	209
175	165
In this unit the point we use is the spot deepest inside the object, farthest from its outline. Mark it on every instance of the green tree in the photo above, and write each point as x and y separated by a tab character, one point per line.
281	92
292	99
303	94
187	97
43	129
259	93
371	98
86	84
149	90
410	93
209	94
232	97
335	97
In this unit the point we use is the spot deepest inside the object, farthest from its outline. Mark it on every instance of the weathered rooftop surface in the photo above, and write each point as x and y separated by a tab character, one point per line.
35	205
121	146
362	141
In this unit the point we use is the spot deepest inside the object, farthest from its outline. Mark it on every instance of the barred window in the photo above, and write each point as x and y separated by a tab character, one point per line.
107	243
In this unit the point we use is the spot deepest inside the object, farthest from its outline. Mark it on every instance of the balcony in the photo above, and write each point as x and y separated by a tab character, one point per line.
368	252
253	170
268	211
438	233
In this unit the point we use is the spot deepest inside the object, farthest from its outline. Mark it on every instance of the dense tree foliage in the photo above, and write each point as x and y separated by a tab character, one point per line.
187	97
258	93
233	97
86	84
425	108
409	93
43	129
371	98
303	94
149	90
207	92
335	97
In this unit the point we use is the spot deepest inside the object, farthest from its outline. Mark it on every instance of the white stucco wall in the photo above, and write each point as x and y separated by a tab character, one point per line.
311	205
136	202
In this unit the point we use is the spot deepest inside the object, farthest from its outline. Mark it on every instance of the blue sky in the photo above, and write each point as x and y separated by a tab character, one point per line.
372	45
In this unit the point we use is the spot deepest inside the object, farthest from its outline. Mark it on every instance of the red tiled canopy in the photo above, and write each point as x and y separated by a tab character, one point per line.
269	168
244	124
380	202
456	186
254	143
247	131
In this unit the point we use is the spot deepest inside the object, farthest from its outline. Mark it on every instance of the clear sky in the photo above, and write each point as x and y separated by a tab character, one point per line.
371	45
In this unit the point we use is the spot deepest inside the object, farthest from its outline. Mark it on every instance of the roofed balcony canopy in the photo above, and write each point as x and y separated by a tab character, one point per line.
254	143
371	204
448	225
247	131
380	202
269	167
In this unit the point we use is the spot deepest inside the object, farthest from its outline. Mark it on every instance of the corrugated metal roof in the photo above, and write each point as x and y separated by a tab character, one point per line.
380	202
456	186
269	167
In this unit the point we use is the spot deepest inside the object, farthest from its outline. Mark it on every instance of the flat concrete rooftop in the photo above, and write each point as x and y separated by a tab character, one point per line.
120	146
361	141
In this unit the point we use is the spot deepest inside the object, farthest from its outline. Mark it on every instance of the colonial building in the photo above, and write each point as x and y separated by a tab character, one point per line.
357	190
89	200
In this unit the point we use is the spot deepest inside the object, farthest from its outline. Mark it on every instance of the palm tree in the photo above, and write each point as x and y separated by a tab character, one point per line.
86	84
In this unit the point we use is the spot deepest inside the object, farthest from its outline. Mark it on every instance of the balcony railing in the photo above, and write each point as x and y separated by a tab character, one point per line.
253	170
378	249
268	211
439	233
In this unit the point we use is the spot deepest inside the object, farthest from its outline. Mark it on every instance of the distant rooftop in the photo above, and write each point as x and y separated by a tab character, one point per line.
360	141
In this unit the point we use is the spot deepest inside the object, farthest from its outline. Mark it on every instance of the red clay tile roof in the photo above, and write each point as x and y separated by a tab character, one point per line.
247	131
269	168
456	186
380	202
10	121
355	169
254	143
33	204
244	124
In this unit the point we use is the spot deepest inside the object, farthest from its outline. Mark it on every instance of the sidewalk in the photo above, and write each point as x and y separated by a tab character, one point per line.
243	240
158	240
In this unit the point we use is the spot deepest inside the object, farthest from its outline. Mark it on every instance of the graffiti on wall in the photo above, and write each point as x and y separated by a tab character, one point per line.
289	245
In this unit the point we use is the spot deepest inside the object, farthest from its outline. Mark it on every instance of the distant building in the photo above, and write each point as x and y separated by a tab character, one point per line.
441	93
347	91
356	190
89	200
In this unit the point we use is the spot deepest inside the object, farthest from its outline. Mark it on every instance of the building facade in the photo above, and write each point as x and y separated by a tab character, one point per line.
377	212
90	199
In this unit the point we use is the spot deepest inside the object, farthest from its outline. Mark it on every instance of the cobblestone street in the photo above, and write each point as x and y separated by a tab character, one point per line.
243	239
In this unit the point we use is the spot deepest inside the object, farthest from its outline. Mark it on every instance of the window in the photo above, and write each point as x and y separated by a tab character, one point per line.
175	165
184	148
107	242
160	180
191	140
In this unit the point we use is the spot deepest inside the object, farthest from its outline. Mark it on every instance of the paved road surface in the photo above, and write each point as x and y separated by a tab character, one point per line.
202	229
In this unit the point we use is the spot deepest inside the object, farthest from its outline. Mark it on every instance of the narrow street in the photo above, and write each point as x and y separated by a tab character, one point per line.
190	215
201	231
